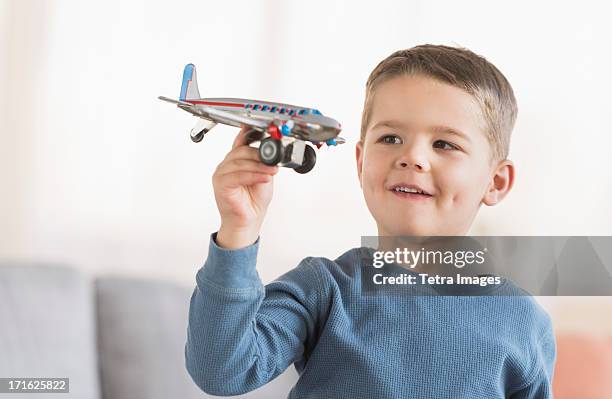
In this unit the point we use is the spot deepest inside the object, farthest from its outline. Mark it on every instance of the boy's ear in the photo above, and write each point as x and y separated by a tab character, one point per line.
359	158
501	183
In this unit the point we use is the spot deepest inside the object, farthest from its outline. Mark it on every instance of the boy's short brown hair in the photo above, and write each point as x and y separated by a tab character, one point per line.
461	68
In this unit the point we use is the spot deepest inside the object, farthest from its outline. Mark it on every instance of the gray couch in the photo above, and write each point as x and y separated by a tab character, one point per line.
113	337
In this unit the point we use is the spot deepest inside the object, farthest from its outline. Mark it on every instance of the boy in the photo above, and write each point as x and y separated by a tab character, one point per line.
437	120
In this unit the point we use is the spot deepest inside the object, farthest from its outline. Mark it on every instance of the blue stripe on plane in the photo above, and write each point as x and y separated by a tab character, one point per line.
187	77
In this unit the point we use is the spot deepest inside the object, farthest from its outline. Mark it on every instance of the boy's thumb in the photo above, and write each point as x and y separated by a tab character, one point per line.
240	138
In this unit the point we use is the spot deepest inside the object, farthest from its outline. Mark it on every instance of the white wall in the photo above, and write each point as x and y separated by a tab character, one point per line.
98	173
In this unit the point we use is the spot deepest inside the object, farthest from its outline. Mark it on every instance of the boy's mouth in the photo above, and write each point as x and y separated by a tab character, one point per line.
409	191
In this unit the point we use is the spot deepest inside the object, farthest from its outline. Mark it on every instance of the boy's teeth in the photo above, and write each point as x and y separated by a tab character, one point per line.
408	190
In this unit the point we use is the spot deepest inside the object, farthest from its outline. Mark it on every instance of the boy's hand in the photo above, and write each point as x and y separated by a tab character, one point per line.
243	190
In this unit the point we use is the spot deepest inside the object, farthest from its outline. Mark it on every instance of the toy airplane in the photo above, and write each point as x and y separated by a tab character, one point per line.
282	130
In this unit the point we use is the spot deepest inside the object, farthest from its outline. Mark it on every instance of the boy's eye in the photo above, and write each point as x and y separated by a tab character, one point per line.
390	139
445	145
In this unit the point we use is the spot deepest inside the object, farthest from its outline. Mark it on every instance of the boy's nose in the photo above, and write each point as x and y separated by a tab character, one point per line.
418	163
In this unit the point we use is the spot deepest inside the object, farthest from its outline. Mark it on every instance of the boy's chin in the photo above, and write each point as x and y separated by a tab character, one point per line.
411	230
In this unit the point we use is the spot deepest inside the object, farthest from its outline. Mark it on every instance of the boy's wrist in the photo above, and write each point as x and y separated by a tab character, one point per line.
233	238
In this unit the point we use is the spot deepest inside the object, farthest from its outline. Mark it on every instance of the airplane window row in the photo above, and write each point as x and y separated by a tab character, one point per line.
257	107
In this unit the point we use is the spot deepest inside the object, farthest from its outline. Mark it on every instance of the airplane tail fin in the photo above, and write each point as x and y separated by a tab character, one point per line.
189	88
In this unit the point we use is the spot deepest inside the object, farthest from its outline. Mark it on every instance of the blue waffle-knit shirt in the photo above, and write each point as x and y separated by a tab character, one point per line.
345	344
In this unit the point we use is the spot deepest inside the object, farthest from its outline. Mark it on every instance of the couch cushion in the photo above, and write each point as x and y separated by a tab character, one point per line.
142	329
142	334
47	327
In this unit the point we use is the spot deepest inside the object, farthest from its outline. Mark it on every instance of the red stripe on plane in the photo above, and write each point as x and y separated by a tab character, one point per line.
215	103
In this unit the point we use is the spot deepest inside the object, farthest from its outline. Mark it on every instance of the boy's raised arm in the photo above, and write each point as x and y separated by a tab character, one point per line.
242	334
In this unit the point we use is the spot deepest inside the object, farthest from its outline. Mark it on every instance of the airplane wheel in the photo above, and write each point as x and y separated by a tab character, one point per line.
287	153
198	137
310	158
270	151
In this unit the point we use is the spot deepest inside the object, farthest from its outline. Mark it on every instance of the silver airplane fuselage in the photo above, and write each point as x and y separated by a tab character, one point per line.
309	124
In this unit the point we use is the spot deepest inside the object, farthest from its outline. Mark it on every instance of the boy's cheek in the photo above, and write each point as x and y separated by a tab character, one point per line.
457	177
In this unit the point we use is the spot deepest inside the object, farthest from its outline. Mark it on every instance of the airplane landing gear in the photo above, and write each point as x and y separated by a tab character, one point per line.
196	138
270	151
296	155
200	129
310	158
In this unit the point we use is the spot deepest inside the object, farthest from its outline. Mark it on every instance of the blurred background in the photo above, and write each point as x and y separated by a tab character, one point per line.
97	173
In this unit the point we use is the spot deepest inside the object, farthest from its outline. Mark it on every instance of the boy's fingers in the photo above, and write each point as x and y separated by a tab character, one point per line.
244	152
241	137
241	178
246	165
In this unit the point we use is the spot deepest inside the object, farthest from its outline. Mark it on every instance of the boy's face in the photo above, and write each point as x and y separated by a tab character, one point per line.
403	147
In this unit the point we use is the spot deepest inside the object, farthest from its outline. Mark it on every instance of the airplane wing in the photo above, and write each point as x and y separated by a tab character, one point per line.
177	102
217	115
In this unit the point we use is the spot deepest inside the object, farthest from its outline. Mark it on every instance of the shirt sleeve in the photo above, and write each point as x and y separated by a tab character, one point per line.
545	353
241	334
